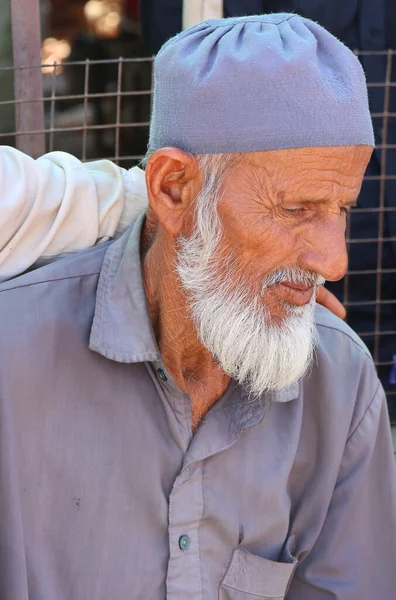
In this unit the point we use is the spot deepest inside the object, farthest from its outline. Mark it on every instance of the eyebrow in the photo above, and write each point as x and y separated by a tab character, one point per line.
316	200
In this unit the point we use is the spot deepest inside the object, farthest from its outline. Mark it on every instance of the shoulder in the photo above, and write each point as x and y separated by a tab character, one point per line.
41	307
343	375
334	332
67	267
340	353
45	321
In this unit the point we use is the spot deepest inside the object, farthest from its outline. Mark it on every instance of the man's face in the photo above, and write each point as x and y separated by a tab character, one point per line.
258	251
288	208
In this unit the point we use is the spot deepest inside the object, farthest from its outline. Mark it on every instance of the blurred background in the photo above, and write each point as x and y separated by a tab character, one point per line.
85	39
76	75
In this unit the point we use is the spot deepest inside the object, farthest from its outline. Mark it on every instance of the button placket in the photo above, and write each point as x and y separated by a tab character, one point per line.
185	514
162	375
176	400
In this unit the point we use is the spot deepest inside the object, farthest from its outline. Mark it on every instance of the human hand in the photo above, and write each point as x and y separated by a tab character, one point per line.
329	301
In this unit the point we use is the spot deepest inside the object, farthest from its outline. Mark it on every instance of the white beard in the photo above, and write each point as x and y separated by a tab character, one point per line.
233	324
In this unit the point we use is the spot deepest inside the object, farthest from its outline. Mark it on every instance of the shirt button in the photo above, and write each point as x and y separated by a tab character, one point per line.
184	542
161	374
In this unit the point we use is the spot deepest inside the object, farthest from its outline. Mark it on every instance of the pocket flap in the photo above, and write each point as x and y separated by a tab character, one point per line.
258	576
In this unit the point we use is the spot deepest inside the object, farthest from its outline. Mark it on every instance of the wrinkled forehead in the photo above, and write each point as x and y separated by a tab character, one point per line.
347	158
288	168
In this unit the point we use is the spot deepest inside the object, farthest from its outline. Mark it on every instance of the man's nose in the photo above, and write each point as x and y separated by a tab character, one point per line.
325	250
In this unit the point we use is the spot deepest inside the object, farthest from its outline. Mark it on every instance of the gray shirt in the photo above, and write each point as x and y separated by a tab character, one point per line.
105	493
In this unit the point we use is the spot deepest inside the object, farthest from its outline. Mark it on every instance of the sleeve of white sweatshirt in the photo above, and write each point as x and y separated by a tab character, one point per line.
58	204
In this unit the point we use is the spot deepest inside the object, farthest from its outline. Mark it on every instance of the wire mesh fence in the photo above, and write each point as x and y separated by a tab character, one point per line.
100	109
93	108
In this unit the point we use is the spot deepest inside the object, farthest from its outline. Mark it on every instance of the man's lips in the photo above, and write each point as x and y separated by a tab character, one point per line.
295	293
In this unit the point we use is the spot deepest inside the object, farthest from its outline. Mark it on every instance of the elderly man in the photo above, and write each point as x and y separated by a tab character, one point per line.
176	420
56	205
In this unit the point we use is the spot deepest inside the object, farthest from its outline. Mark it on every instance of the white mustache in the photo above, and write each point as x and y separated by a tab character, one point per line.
294	275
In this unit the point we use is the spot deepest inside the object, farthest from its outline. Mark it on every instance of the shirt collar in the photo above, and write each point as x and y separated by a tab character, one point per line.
121	328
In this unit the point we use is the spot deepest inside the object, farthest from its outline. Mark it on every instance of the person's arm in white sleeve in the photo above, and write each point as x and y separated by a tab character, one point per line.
58	204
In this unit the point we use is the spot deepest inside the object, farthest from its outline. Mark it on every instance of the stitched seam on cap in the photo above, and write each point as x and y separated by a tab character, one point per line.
249	21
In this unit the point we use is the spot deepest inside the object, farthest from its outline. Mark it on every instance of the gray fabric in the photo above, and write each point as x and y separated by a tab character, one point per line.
100	474
258	83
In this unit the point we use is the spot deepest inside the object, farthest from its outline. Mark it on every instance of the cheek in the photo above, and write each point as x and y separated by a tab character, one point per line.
258	242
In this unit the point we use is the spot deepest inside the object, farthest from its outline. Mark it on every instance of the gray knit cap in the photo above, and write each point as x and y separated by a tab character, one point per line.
254	83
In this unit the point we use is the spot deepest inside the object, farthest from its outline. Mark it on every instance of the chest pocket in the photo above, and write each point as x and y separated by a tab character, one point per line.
251	577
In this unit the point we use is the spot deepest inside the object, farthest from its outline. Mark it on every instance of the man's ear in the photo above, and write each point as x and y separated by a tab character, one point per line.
173	181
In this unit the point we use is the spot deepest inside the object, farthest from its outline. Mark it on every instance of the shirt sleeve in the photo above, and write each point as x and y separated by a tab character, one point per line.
58	204
355	554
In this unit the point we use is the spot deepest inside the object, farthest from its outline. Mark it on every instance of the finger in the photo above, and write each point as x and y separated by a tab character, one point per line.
329	301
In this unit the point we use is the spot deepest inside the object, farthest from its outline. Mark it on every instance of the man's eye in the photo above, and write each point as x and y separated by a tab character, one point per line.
347	209
294	210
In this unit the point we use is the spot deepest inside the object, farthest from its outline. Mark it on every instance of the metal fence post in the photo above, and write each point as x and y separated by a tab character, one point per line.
28	88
